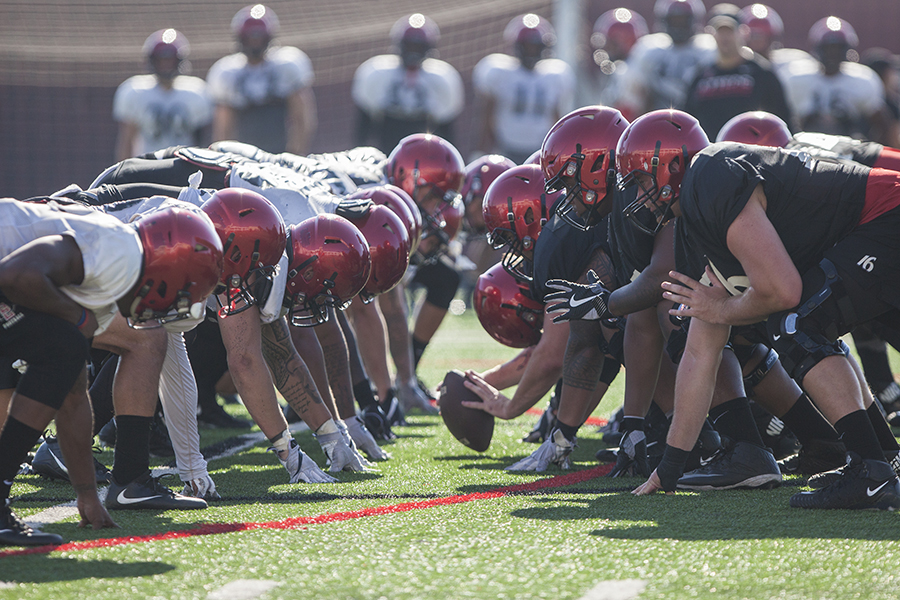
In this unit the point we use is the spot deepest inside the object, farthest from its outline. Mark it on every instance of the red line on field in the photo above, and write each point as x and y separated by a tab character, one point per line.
218	528
597	421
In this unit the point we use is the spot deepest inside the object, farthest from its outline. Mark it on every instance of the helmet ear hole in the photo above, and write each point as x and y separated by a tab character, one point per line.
675	165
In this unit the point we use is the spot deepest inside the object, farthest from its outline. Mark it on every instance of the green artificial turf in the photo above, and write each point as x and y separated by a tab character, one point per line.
552	543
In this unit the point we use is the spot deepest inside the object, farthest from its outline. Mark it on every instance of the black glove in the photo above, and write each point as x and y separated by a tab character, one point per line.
579	301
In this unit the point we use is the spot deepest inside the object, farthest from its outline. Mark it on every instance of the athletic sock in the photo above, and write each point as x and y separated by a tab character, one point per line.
858	436
364	395
632	424
132	457
569	431
883	432
16	440
418	348
807	423
734	419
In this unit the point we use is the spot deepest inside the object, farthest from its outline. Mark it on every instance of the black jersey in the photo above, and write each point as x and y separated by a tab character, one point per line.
564	252
811	203
631	249
837	147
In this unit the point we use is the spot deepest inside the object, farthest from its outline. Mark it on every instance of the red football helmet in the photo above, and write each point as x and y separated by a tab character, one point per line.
480	173
659	145
388	249
681	19
329	265
617	30
506	310
414	37
578	155
181	267
765	26
255	26
383	196
529	36
253	240
534	159
756	127
422	164
413	210
515	209
165	50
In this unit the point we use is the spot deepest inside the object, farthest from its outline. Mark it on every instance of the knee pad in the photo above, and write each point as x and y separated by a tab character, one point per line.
611	368
676	343
800	347
441	286
752	379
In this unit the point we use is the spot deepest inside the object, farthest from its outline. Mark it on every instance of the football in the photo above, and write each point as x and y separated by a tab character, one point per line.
474	428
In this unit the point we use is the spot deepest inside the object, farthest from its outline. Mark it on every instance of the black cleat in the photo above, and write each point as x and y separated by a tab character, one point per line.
147	493
817	456
893	419
392	410
745	465
826	478
107	434
218	418
862	484
15	532
543	427
48	461
289	415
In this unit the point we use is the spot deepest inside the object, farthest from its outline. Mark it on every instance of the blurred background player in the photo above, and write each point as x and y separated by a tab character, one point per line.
601	81
165	108
837	96
520	96
263	93
764	37
410	91
887	66
662	65
737	81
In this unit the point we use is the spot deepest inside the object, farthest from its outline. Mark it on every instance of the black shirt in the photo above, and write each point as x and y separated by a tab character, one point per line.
564	252
716	95
631	248
811	203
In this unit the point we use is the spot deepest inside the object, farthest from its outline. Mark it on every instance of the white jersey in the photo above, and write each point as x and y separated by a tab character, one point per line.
660	72
111	251
235	82
296	196
840	104
527	102
164	117
383	87
606	86
787	61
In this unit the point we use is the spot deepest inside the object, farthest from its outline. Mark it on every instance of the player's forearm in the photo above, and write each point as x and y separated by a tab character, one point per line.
508	374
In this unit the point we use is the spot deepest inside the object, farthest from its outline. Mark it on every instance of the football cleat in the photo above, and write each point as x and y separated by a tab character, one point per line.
826	478
393	411
554	451
48	461
218	418
147	493
817	456
744	465
15	532
863	484
364	439
889	397
543	427
376	422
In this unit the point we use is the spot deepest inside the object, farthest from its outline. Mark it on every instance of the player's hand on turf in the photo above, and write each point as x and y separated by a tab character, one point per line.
93	512
695	299
309	471
201	487
364	439
648	487
578	301
554	451
492	401
340	456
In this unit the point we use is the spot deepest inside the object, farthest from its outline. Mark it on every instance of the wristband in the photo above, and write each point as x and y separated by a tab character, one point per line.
82	320
671	467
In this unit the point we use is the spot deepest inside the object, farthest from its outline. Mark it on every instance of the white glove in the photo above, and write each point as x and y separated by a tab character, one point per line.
348	439
411	395
339	454
300	467
364	440
201	487
554	451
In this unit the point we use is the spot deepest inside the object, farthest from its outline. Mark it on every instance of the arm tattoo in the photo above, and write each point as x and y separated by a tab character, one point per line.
289	372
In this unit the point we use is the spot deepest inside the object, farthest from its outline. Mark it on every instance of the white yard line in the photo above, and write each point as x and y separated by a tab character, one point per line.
625	589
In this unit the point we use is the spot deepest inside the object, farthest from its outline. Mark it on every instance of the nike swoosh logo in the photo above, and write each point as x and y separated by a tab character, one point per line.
870	492
573	303
5	482
776	337
123	499
60	464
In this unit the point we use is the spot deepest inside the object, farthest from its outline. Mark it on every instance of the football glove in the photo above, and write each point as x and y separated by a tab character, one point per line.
554	451
340	456
300	467
201	487
364	440
579	301
631	459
